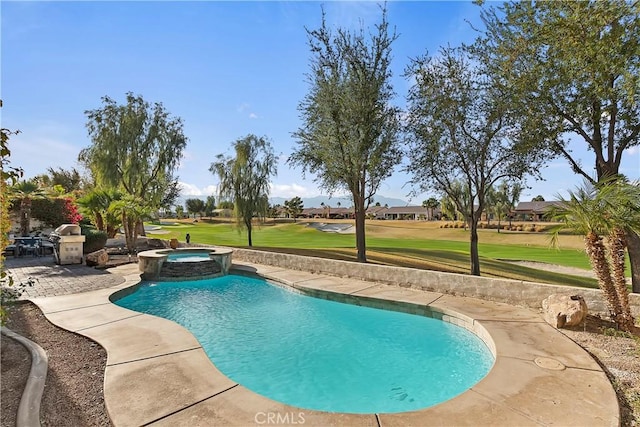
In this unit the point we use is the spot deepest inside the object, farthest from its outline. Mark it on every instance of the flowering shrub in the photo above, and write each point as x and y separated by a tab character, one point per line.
55	212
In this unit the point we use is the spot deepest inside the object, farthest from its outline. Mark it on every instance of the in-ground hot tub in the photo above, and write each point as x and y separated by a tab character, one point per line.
184	264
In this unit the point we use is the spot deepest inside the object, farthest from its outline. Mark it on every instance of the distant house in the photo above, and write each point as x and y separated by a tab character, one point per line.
532	211
327	212
406	212
376	212
224	213
312	213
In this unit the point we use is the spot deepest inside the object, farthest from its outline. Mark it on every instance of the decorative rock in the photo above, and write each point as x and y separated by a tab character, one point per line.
97	258
564	310
157	244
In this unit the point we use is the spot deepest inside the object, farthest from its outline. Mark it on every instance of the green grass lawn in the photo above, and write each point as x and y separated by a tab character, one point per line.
440	254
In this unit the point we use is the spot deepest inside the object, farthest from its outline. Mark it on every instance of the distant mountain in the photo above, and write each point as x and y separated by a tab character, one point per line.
314	202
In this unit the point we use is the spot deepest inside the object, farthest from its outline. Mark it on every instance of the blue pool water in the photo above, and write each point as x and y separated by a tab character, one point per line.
188	257
319	354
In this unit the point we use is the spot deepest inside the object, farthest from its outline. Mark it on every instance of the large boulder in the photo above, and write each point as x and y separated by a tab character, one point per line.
97	258
564	310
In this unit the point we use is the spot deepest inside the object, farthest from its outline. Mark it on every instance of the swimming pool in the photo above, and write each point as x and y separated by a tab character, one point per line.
319	354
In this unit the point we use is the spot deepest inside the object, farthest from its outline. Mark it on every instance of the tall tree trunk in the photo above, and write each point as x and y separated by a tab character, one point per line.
617	252
361	244
633	246
475	257
99	221
128	226
25	216
598	258
248	224
140	228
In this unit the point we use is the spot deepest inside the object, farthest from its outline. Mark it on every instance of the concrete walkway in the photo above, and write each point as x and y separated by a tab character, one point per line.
158	374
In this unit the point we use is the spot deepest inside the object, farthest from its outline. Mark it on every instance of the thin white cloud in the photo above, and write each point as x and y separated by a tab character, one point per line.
210	190
291	190
253	116
186	158
187	189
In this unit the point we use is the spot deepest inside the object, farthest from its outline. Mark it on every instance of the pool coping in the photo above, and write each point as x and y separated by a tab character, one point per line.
155	372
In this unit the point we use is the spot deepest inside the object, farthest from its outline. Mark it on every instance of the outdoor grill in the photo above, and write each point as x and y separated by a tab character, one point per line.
67	244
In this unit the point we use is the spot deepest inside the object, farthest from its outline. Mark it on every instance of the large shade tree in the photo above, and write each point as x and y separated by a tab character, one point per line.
136	148
195	206
349	136
245	179
574	71
463	137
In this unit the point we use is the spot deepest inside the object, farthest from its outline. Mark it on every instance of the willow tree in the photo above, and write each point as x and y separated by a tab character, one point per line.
574	72
136	148
245	179
349	137
463	137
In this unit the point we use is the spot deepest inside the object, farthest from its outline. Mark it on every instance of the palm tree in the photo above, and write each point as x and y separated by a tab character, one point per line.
26	191
131	210
601	214
326	208
95	204
431	203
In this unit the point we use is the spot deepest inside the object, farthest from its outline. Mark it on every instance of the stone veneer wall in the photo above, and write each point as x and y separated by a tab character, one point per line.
515	292
189	270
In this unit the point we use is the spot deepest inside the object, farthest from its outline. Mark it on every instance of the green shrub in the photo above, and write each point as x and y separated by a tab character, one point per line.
94	240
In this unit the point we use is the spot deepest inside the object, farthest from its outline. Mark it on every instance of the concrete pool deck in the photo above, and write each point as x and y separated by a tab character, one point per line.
158	374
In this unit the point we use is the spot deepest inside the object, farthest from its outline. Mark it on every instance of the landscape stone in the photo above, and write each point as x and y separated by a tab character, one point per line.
157	244
564	310
97	258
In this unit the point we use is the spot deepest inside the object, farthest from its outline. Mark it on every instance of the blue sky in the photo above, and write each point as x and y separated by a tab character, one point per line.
226	68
